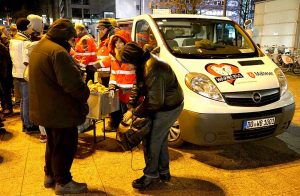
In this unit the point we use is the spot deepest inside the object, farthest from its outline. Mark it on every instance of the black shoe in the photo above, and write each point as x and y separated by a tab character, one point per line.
144	182
1	124
33	129
165	177
2	130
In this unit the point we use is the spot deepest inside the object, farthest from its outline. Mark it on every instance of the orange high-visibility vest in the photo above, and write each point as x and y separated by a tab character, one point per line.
102	53
86	51
120	76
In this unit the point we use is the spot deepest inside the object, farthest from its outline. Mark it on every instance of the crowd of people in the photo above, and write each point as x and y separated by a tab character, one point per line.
47	73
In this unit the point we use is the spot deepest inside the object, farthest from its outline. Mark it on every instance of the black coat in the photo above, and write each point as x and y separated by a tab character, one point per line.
5	63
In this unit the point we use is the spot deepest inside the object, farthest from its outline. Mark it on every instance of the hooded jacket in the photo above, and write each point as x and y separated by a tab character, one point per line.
156	82
121	76
57	93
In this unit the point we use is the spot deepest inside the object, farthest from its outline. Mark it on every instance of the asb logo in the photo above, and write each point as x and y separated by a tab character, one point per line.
224	72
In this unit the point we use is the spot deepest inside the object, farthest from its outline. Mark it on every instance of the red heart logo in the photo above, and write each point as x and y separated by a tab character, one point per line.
224	72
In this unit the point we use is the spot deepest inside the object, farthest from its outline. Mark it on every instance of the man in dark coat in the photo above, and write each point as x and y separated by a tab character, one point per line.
58	97
163	103
6	80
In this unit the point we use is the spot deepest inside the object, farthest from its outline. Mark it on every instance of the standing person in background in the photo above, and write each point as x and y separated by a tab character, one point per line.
105	29
36	23
55	78
163	103
16	89
6	80
85	51
19	49
122	76
13	31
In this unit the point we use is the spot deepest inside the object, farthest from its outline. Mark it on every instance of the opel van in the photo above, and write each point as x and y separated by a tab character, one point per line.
232	91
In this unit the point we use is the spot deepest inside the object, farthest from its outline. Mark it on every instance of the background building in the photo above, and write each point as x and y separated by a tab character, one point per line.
277	22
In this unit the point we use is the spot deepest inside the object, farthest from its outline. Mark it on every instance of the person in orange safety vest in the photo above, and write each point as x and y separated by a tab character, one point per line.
122	76
85	51
106	29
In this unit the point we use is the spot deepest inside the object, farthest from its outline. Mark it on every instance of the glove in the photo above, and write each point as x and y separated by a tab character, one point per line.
127	115
112	93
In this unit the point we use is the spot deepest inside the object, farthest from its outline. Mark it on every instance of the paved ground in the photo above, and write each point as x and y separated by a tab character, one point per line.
266	167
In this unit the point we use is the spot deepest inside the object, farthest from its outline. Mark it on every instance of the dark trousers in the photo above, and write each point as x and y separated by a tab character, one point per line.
117	116
5	96
156	152
60	151
89	75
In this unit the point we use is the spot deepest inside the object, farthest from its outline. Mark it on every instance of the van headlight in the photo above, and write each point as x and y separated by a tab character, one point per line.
282	81
201	84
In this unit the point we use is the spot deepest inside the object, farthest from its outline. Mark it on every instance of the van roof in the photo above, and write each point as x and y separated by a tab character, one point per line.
174	16
188	16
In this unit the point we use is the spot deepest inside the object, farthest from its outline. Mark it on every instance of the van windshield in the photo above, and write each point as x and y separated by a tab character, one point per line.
203	38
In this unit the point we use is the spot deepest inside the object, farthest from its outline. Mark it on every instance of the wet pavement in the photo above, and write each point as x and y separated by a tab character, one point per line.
264	167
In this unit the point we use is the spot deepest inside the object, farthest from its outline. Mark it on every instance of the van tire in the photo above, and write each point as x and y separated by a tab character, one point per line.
174	137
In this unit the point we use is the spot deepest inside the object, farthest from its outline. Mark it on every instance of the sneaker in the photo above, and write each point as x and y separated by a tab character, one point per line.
49	181
71	187
144	182
109	128
7	112
43	138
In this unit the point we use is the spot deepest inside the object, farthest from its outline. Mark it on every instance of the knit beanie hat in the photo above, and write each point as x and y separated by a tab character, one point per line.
132	53
62	29
105	22
22	24
36	22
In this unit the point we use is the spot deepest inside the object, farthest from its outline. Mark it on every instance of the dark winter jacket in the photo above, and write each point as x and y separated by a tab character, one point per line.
158	84
5	63
57	94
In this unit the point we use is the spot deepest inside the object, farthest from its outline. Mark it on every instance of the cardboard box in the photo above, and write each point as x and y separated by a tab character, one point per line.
101	104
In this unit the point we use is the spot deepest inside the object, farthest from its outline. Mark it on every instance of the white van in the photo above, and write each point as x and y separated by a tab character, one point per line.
232	91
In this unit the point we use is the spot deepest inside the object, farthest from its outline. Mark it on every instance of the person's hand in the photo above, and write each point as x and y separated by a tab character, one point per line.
127	115
112	93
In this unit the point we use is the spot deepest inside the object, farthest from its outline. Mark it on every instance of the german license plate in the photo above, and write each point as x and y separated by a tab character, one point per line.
253	124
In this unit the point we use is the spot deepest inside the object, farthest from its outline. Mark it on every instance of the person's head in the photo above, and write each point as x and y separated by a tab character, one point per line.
80	30
132	53
13	30
22	24
118	41
36	23
104	26
62	31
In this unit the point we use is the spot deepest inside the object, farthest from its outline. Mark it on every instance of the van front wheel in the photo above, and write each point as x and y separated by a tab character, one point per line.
174	137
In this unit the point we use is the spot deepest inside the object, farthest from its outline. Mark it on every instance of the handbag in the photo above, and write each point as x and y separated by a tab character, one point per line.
26	73
132	135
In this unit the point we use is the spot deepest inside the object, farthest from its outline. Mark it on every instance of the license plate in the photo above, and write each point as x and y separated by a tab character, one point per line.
253	124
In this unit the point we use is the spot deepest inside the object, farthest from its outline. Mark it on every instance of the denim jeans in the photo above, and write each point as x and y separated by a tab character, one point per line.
156	152
23	85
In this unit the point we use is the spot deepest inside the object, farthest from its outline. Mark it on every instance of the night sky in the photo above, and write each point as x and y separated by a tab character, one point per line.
19	8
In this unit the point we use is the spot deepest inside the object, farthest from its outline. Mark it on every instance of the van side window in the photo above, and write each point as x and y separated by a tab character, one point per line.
144	36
